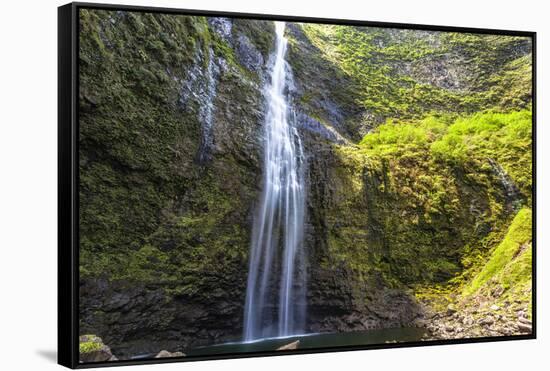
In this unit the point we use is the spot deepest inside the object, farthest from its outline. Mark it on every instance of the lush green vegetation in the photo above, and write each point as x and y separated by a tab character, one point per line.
510	262
504	138
433	190
468	142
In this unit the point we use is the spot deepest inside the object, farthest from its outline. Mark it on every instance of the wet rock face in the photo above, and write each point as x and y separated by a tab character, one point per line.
319	87
137	319
341	298
222	26
218	93
511	191
248	55
439	72
305	122
339	302
200	85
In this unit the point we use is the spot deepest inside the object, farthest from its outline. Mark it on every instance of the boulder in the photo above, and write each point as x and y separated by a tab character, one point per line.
290	346
92	349
524	321
451	309
487	321
525	328
167	354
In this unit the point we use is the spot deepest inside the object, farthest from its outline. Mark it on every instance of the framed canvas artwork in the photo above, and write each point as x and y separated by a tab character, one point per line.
236	185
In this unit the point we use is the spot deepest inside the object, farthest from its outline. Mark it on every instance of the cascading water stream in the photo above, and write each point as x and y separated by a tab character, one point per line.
275	298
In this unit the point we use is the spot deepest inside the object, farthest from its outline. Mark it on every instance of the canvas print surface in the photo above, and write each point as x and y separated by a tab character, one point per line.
251	185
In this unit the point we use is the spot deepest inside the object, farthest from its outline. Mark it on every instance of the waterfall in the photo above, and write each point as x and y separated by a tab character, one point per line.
200	86
275	297
511	191
206	110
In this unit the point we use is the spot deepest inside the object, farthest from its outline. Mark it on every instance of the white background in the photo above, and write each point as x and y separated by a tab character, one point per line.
28	183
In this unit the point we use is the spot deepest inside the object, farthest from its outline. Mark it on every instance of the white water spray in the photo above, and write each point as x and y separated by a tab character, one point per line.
275	297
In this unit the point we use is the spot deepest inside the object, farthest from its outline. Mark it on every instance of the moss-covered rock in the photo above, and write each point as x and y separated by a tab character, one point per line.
380	73
92	349
509	265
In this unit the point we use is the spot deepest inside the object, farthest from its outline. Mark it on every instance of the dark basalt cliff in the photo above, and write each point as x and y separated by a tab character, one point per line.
171	114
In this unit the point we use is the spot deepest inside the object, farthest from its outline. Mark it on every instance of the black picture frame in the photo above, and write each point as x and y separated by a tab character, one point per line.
68	181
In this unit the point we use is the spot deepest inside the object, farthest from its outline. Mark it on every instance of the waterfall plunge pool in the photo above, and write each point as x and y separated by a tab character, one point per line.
316	340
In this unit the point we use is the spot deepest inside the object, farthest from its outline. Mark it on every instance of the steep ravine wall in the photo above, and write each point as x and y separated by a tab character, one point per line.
170	149
380	226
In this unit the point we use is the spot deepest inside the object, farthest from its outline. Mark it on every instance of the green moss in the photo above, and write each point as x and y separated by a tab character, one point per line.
396	137
505	138
373	59
128	159
89	343
502	264
89	346
439	296
260	33
499	275
149	213
468	142
419	215
395	217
